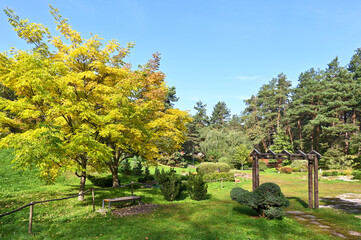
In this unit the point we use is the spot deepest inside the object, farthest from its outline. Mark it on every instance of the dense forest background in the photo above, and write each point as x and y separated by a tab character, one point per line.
322	113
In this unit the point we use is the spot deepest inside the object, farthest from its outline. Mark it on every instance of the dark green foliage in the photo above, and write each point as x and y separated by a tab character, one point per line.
335	173
267	200
326	174
208	167
125	167
146	170
171	184
196	187
228	177
146	179
356	175
262	165
101	181
137	169
174	160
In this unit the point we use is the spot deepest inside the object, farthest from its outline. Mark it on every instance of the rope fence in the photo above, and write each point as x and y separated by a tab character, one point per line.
31	204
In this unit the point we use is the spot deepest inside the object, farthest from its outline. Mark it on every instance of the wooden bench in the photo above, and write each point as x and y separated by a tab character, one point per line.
121	199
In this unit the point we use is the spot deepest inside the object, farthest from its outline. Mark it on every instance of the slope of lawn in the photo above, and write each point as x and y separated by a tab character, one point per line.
217	217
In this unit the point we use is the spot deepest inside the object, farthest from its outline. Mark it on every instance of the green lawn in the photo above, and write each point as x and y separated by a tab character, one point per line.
218	217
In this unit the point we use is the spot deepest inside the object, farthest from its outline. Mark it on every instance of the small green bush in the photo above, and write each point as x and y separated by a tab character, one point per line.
208	168
262	166
356	175
171	184
196	187
229	177
267	200
334	173
223	167
286	170
146	179
296	169
101	181
326	174
301	164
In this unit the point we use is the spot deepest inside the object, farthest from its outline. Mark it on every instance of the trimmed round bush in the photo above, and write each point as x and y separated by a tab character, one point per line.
208	168
223	167
229	177
267	200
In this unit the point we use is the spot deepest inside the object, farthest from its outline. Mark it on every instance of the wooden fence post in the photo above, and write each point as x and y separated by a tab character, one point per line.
31	217
253	172
316	181
93	195
310	183
131	185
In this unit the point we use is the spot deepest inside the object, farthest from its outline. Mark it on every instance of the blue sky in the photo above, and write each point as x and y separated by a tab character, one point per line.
211	50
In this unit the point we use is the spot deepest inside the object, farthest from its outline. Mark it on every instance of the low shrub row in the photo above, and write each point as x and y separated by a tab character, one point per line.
209	167
228	177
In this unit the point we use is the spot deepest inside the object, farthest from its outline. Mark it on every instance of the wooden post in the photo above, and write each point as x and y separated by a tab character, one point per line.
31	217
253	172
131	185
221	183
257	172
315	162
310	183
93	195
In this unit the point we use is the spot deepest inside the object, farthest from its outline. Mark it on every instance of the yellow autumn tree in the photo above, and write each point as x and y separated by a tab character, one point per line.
78	105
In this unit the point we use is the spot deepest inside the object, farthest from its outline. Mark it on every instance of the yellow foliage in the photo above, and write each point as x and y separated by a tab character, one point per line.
81	104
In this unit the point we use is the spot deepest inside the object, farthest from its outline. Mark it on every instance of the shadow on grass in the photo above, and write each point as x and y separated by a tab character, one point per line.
299	200
245	211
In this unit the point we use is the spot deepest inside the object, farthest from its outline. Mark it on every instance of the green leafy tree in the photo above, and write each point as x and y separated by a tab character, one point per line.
241	155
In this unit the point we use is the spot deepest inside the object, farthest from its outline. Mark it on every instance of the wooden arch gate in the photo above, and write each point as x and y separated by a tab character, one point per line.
313	157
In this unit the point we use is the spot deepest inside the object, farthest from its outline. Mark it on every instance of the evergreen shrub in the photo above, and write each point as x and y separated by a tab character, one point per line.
196	187
267	200
356	175
137	169
171	184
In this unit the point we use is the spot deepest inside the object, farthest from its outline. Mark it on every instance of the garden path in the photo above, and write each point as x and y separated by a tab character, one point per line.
309	219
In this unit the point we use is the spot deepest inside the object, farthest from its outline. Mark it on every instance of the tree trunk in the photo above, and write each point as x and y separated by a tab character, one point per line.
82	186
114	170
300	133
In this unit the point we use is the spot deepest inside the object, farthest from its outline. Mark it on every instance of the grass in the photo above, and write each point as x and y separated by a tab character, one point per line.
217	217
